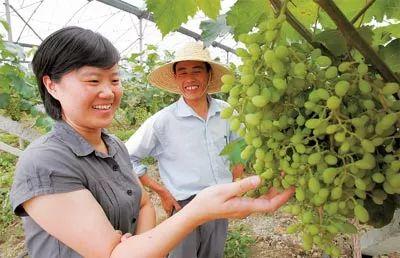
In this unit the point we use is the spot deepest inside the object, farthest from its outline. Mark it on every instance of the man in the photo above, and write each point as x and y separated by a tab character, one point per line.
186	139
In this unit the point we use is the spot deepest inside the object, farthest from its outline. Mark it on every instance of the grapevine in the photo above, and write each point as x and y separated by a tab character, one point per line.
329	128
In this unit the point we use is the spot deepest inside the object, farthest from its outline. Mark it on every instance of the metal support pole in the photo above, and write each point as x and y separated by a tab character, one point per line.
8	17
140	38
27	24
121	5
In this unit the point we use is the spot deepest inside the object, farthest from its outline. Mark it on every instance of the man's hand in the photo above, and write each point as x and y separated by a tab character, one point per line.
237	171
168	202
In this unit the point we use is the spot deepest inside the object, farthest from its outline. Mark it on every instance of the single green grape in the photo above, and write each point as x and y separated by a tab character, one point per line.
226	113
228	79
341	88
323	61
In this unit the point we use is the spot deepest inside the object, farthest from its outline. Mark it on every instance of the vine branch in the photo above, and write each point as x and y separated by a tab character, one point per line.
353	38
362	11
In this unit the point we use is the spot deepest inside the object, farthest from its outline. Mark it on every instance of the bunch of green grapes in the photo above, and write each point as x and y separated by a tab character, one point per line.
328	129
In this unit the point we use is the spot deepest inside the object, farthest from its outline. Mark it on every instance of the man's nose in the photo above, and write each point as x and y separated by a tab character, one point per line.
107	91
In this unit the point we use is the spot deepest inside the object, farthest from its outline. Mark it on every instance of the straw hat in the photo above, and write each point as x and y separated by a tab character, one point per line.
163	77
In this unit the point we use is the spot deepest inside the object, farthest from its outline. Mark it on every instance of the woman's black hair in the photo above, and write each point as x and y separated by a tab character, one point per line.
66	50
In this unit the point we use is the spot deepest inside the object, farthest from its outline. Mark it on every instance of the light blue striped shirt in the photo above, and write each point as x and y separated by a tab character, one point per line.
186	146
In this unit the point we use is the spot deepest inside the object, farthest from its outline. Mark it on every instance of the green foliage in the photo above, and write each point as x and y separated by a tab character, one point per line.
211	29
18	90
244	15
238	242
170	14
140	99
209	7
391	55
334	41
233	150
7	166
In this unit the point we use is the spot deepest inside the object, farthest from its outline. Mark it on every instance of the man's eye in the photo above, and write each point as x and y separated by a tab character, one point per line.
93	81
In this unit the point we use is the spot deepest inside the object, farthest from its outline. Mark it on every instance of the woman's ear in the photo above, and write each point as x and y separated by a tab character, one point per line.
50	86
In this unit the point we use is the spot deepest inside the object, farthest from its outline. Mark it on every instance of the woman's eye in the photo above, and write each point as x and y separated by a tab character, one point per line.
93	81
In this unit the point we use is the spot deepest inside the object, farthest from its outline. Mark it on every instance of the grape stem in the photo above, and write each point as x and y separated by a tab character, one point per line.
362	11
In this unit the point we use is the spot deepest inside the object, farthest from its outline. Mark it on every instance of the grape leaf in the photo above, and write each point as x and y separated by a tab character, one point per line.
210	7
305	11
391	54
289	35
384	34
233	150
390	8
348	8
212	29
333	41
244	15
170	14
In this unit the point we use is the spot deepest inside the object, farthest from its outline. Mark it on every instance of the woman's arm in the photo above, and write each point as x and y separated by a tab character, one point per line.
147	214
215	202
85	227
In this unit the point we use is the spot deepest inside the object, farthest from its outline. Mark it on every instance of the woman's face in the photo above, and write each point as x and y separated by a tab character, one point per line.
89	96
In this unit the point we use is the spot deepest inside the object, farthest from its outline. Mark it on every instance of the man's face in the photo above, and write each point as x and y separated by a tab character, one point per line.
192	79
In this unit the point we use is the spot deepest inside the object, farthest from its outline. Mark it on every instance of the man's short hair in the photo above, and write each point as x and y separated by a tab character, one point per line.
66	50
208	67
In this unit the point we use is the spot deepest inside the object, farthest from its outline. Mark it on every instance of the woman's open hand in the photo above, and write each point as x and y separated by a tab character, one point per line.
225	201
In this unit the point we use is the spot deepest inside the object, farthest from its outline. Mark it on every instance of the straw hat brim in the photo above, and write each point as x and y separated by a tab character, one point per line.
163	77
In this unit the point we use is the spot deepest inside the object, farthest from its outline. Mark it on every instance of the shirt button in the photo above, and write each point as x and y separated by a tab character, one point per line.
115	167
129	192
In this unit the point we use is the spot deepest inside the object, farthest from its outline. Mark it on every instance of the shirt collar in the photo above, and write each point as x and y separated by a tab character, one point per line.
184	110
78	144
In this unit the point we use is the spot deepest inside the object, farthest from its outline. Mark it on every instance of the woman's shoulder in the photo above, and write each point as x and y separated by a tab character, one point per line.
45	151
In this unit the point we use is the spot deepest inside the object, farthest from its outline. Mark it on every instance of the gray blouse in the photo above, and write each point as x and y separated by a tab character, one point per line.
62	161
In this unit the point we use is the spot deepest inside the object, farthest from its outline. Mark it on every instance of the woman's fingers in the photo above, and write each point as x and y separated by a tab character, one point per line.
275	201
240	187
125	236
271	193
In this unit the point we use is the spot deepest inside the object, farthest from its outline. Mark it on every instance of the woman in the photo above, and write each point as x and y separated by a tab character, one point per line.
74	187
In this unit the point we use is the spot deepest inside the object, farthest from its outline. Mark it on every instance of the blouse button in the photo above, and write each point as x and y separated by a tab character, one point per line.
129	192
115	167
